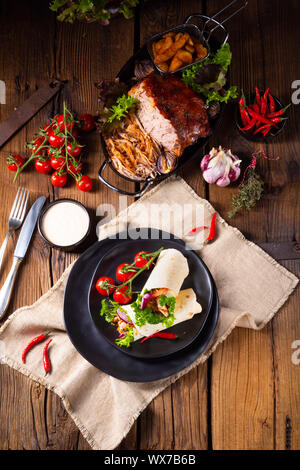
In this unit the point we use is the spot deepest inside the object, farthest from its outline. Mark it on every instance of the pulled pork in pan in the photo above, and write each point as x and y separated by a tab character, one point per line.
133	153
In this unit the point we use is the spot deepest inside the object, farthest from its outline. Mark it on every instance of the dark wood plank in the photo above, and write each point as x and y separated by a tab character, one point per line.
286	333
23	75
239	403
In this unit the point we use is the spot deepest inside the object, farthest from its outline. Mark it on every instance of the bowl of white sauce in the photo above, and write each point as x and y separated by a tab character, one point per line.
64	224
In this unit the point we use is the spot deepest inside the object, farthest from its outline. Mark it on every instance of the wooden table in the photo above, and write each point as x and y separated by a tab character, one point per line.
247	394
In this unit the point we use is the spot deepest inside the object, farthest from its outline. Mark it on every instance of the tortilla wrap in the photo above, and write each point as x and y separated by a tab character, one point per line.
169	272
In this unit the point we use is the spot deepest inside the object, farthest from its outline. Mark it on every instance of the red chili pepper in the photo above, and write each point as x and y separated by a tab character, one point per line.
243	110
196	229
262	128
249	126
272	103
212	230
257	96
46	360
33	342
264	102
280	112
160	335
277	119
260	118
266	131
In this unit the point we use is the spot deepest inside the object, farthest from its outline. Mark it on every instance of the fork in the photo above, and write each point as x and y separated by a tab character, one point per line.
16	217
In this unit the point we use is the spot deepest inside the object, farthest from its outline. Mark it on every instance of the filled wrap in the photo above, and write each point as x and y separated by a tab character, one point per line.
169	272
186	307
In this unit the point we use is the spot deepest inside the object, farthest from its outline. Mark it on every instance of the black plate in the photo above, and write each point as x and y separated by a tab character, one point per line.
199	279
90	343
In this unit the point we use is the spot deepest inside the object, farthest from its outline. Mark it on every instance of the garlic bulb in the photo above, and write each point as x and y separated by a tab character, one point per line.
220	166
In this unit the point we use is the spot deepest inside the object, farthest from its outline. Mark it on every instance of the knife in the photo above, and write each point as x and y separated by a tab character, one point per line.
20	252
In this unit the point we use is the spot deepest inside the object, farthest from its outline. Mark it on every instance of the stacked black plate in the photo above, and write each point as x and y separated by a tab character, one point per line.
94	339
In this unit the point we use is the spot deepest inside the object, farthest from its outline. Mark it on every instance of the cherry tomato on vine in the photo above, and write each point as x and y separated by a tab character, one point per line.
105	285
142	258
122	295
42	166
124	273
57	162
59	180
74	167
74	150
75	132
14	162
69	122
85	183
56	140
47	129
36	144
87	122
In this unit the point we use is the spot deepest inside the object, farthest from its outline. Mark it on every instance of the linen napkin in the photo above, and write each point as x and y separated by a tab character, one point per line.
251	286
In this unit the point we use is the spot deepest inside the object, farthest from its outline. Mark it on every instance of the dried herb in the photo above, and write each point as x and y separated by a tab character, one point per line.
251	187
249	193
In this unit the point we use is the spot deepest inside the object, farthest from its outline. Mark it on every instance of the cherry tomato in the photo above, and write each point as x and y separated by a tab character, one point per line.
74	149
36	144
141	259
74	167
56	140
123	274
87	122
75	132
122	295
14	162
61	124
105	285
57	162
42	166
59	180
85	183
47	129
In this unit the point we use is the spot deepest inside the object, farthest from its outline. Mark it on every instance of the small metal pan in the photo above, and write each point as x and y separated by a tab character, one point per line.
209	25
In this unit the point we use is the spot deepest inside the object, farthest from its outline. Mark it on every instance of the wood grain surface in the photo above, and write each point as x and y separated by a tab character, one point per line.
246	396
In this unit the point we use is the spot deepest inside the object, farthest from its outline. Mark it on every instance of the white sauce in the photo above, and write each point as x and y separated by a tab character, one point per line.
65	223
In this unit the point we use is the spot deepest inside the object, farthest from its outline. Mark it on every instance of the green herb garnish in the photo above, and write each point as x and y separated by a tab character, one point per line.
211	90
91	10
170	302
109	309
153	318
127	339
125	104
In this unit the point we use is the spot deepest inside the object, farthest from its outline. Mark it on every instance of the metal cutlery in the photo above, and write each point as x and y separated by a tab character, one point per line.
16	217
20	252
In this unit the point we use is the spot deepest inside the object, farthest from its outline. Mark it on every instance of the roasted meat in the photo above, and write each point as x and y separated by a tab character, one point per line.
170	112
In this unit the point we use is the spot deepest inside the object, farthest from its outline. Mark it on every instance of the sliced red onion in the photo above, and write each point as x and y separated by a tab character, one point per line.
122	335
145	300
123	316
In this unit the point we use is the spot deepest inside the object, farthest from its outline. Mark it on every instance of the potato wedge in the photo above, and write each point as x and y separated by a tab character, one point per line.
189	48
163	66
168	41
190	41
184	56
201	51
171	34
169	53
175	64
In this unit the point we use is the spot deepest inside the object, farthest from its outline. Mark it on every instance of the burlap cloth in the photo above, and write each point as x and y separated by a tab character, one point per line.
251	285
